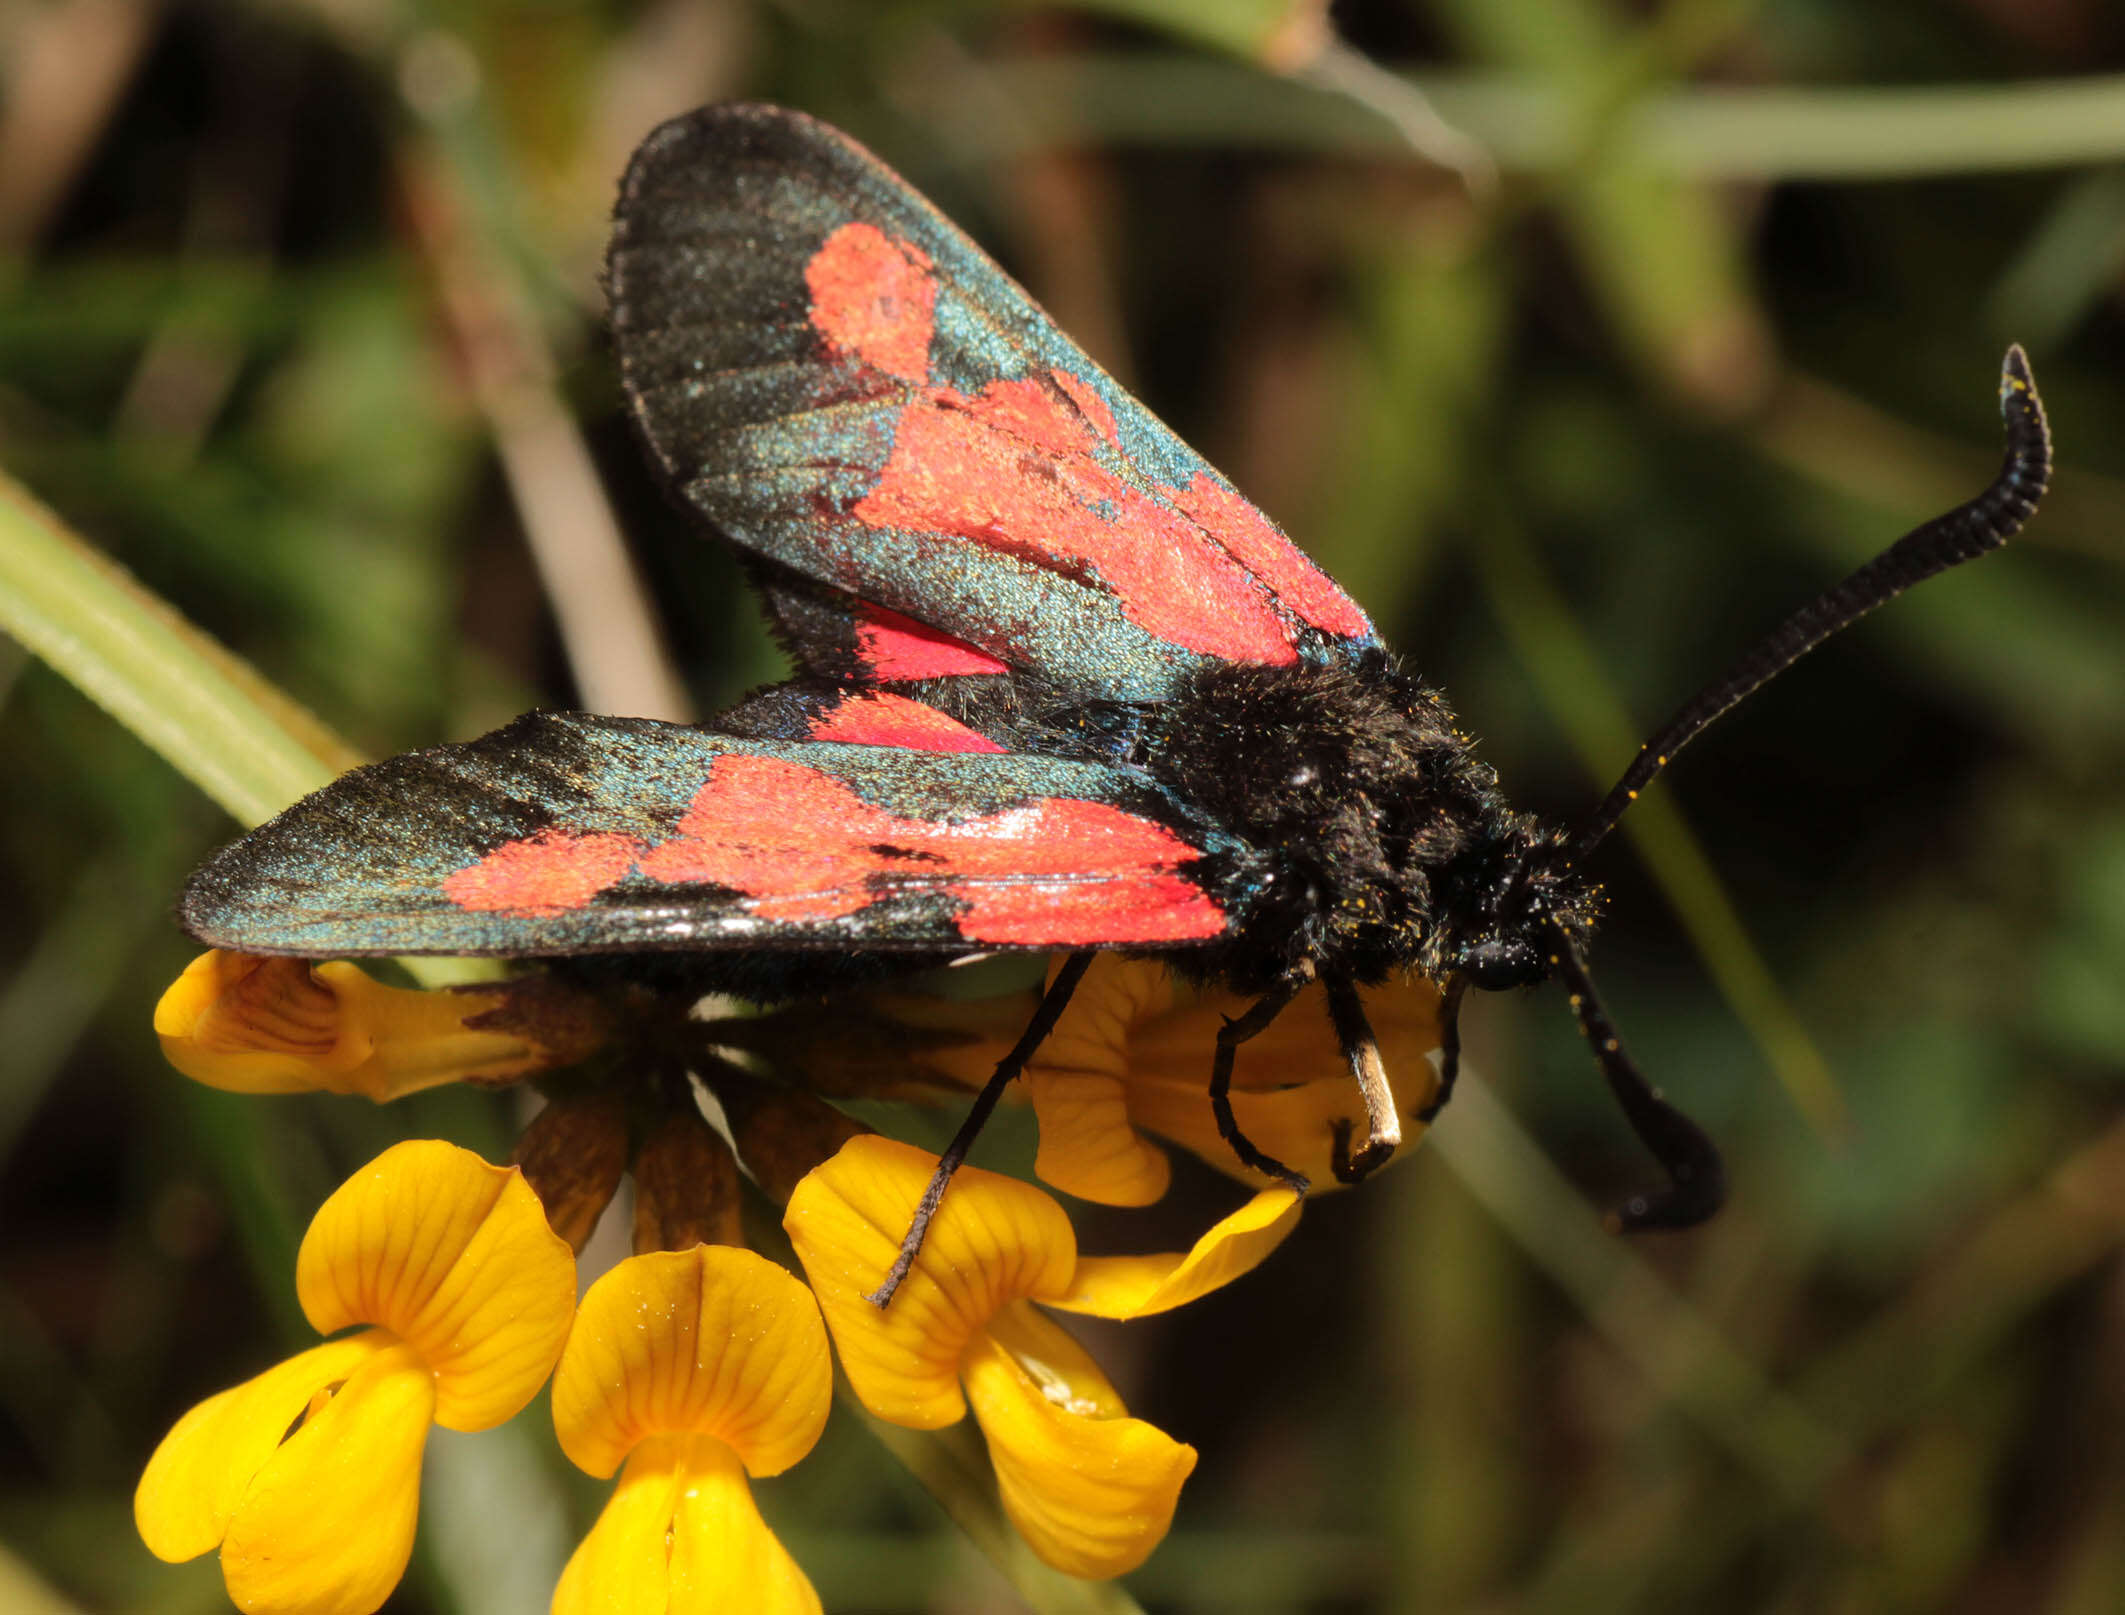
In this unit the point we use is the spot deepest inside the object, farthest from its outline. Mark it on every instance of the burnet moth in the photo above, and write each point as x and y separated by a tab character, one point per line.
1059	687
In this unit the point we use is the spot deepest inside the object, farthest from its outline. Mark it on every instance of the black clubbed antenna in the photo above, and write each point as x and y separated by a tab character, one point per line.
1965	533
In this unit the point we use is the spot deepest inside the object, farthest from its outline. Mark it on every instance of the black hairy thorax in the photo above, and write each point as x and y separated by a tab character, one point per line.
1391	847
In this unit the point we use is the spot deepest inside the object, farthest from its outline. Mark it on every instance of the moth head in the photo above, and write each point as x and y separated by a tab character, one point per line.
1500	962
1509	905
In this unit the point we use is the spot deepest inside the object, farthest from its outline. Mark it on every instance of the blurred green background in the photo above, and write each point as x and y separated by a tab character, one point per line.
299	320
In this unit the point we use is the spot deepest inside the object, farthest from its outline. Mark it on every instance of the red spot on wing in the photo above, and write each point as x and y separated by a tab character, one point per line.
1141	907
1270	556
875	297
895	647
885	719
1089	404
803	846
1016	469
548	873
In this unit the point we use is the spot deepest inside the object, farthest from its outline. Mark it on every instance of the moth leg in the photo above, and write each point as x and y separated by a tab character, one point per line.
1383	1127
1052	1004
1449	1048
1697	1178
1230	1036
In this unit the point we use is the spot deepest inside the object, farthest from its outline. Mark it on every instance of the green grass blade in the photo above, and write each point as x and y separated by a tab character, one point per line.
203	711
1527	124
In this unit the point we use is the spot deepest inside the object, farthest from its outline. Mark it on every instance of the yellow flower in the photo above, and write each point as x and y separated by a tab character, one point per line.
308	1477
253	1024
694	1368
1090	1489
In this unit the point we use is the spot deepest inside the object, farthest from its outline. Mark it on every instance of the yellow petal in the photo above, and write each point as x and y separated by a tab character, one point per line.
623	1567
1294	1125
1298	1047
681	1535
1137	1286
1087	1146
723	1556
1067	1374
993	1241
712	1339
276	1025
454	1256
200	1472
328	1524
1115	1001
1291	1087
1091	1495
